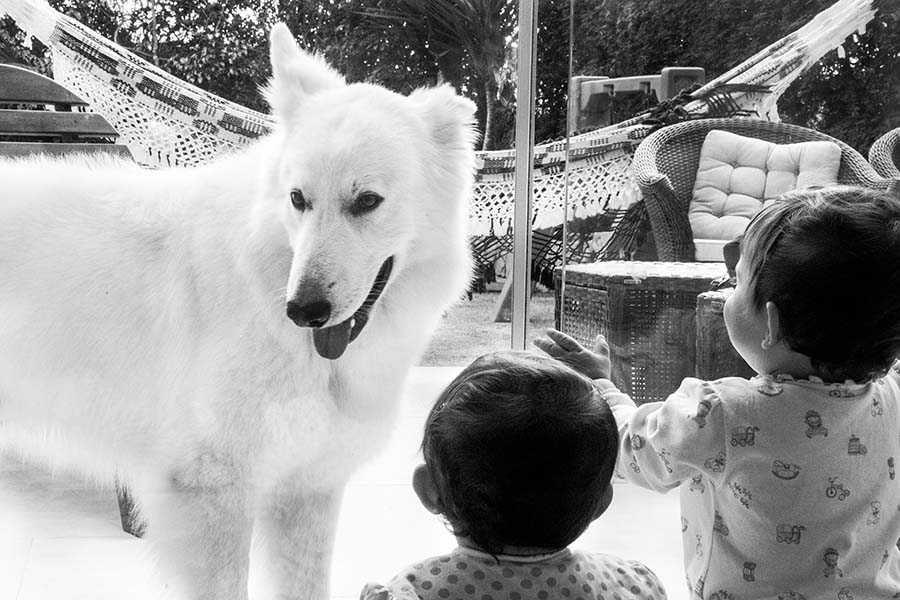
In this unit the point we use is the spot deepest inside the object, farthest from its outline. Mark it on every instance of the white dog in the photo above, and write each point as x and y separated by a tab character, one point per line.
233	338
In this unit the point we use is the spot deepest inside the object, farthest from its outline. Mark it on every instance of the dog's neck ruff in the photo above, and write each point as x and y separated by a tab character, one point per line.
331	342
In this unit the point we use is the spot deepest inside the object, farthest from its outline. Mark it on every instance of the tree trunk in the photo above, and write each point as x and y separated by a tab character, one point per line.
490	103
154	35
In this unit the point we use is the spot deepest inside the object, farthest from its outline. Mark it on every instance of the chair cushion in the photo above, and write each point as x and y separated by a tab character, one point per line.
737	174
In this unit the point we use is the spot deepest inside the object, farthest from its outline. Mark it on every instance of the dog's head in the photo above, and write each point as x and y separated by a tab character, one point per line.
360	176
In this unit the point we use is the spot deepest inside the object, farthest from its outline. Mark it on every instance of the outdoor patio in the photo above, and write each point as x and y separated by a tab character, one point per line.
612	246
61	537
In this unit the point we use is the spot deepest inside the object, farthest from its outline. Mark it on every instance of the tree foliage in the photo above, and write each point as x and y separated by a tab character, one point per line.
468	41
221	46
552	70
852	95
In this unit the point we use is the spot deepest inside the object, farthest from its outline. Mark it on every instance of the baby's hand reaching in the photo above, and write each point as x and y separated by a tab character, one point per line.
565	349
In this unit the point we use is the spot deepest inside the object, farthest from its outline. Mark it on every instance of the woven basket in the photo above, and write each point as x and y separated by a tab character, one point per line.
646	310
716	357
884	155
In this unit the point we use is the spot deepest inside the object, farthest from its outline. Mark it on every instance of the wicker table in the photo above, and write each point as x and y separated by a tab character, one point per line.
647	312
716	357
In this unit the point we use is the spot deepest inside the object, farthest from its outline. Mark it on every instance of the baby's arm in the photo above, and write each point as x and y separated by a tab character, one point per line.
594	364
662	444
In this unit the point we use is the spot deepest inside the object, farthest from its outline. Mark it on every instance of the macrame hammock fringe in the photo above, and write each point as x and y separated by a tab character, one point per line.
168	122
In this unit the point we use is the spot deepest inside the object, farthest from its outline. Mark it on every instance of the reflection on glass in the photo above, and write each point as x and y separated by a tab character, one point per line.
642	67
667	101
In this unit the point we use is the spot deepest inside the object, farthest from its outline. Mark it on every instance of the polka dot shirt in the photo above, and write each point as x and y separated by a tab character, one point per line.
467	574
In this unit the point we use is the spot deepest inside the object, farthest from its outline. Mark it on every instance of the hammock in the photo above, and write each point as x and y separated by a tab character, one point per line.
166	122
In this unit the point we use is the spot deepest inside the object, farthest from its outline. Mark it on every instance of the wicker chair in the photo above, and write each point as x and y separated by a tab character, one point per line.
884	154
665	166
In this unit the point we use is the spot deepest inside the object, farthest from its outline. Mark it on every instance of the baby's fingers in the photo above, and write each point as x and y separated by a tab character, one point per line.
600	346
567	343
549	346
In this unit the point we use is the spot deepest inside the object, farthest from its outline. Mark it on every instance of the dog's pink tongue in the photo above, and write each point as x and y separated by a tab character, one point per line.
332	341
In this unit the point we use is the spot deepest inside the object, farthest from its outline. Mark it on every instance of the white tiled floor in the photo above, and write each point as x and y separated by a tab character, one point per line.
60	538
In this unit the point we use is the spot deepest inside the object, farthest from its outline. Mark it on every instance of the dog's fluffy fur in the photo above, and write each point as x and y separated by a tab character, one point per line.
143	325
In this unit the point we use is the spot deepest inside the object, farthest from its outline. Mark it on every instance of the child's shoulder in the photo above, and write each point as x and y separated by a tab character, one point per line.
439	566
724	388
760	387
628	578
425	578
890	383
894	371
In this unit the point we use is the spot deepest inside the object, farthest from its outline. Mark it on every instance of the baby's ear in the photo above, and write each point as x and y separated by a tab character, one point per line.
605	501
426	490
773	326
295	74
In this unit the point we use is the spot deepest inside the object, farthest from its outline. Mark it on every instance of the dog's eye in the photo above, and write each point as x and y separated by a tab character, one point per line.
298	200
366	201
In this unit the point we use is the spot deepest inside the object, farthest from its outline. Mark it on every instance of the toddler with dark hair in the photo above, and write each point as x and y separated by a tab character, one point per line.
792	485
519	453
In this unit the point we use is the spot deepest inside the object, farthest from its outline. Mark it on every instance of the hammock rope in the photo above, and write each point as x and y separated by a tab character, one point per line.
167	122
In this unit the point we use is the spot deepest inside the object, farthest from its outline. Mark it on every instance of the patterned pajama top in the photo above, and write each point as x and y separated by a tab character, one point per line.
467	574
789	488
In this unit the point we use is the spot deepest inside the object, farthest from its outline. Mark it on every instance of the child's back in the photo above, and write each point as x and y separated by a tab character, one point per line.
790	490
466	573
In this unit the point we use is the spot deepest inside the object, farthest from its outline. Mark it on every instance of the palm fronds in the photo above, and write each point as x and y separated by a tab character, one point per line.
479	29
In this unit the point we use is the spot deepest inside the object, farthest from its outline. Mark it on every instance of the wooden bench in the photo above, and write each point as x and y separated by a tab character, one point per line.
39	116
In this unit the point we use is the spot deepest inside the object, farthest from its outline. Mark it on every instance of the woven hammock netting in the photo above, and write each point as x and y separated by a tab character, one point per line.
167	122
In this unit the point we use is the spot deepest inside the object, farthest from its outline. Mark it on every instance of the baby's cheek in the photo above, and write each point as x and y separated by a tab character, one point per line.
728	312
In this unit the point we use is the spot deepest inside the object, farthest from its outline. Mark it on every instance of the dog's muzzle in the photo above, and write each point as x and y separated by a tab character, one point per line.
331	342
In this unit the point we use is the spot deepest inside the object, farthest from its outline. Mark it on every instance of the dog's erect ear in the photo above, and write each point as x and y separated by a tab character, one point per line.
295	74
452	117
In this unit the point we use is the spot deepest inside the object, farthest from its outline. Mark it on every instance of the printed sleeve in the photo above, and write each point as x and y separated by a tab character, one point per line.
662	444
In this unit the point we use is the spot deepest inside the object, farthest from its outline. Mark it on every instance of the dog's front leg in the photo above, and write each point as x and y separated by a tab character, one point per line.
295	532
201	537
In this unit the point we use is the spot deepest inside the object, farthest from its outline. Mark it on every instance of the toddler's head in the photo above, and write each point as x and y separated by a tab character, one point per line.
829	260
519	451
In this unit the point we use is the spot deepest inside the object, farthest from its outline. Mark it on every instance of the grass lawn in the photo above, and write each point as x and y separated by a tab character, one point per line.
468	329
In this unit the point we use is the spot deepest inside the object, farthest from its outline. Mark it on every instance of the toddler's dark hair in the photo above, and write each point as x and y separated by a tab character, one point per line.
829	259
521	448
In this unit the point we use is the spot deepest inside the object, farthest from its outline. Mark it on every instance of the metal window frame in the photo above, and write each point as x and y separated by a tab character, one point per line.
523	191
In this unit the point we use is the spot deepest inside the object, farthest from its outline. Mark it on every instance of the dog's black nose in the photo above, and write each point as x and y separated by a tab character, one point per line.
310	314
